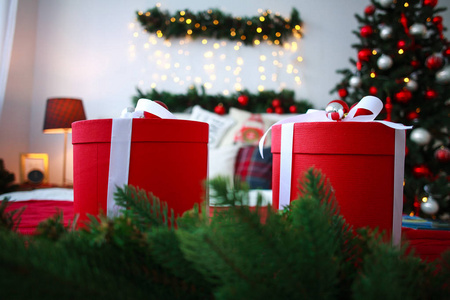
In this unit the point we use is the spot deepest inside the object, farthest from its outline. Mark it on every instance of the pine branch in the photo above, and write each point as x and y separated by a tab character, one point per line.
9	220
145	210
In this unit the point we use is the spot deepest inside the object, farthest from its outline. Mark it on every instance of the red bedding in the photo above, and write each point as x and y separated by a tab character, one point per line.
428	244
37	211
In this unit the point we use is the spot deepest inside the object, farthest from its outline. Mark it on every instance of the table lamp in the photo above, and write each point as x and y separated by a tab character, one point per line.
59	115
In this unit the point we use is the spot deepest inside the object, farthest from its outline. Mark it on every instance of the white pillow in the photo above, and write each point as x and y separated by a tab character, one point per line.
221	161
239	116
218	125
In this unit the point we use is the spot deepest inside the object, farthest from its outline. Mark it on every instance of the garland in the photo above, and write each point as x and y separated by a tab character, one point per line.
266	101
214	23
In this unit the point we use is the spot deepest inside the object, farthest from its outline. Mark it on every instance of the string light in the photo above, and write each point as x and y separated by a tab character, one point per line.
406	79
400	51
424	199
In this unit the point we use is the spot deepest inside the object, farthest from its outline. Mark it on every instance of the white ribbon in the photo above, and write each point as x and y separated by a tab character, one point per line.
119	160
365	111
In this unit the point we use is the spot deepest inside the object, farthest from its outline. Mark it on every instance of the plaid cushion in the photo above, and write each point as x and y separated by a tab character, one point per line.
253	169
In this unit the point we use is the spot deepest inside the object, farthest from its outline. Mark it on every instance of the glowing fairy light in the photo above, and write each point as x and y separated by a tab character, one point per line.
238	87
240	61
260	88
226	92
289	68
262	58
223	56
263	77
208	54
216	46
164	77
208	85
198	80
261	69
136	34
204	41
153	85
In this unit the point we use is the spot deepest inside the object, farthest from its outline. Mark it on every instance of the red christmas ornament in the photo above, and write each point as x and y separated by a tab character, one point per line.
358	65
364	54
403	96
388	107
279	110
269	110
431	3
446	52
243	100
276	103
437	20
343	93
162	104
415	63
373	90
434	62
366	31
442	155
219	109
421	171
148	115
406	150
412	115
430	94
370	10
401	44
292	109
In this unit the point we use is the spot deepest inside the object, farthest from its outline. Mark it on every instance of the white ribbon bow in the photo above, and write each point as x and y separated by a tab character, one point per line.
366	110
119	161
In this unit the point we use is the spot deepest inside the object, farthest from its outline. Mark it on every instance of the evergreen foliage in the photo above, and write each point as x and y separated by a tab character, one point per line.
258	103
305	252
216	24
6	179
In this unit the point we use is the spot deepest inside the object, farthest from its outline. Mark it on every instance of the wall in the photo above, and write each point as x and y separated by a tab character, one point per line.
16	112
83	50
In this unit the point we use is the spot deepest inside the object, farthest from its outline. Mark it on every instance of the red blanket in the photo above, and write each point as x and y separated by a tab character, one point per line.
37	211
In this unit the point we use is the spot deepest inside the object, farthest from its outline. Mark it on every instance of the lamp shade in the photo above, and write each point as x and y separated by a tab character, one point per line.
60	113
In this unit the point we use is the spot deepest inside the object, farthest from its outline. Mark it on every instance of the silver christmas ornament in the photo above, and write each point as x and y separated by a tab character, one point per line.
430	207
355	81
420	136
385	3
335	110
412	85
443	75
386	32
418	30
384	62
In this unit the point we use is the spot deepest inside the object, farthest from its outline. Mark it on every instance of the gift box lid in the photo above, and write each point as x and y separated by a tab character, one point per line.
361	138
144	130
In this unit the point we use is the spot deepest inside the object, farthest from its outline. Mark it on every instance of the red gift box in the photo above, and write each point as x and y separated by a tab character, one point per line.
166	157
364	162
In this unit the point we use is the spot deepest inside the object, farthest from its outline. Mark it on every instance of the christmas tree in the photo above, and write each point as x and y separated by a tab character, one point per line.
403	58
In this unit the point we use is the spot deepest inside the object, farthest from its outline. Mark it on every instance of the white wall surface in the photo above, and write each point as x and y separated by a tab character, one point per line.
82	50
